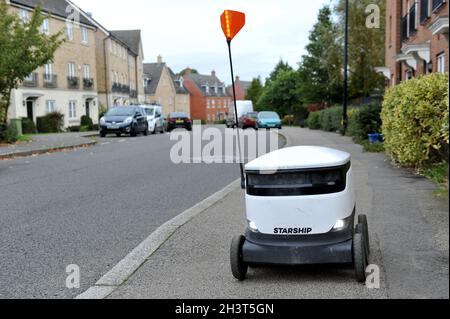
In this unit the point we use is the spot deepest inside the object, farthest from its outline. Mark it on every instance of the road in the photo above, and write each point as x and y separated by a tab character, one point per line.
90	207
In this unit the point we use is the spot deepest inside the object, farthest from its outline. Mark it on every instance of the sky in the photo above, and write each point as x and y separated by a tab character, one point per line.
188	33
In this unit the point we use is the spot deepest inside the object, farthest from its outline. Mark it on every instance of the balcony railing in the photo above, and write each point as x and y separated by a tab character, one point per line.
116	87
88	84
50	81
125	89
31	81
133	94
437	4
73	82
424	10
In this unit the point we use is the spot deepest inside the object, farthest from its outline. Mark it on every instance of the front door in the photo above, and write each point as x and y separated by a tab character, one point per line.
88	111
30	114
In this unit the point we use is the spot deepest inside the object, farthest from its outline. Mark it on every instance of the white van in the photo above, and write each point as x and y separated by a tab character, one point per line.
155	118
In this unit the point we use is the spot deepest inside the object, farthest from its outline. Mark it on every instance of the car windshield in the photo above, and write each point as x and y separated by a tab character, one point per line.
149	111
121	111
178	115
269	115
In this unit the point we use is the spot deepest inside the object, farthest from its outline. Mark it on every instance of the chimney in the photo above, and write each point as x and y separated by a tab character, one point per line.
213	73
237	79
187	71
159	59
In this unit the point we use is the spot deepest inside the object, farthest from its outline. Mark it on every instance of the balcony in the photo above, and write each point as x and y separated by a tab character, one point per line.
116	88
88	83
31	81
125	89
437	4
73	82
50	81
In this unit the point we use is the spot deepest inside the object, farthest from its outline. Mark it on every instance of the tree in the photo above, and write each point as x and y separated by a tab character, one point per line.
366	47
320	69
281	94
183	72
281	66
23	48
254	91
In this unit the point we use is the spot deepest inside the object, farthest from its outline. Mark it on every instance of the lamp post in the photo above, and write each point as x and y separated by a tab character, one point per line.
345	98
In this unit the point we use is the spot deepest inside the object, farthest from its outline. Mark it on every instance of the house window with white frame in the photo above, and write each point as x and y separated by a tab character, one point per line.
45	27
72	109
69	31
71	70
24	15
213	104
208	104
441	63
48	72
49	106
86	72
84	35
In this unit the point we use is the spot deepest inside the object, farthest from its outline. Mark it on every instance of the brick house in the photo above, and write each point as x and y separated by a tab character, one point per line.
210	100
164	87
68	84
241	88
417	39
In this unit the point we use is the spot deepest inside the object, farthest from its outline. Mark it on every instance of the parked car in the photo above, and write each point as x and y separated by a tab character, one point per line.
124	120
155	118
243	107
268	120
248	120
178	120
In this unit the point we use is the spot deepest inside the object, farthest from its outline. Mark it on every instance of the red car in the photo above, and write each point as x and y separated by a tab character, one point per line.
248	120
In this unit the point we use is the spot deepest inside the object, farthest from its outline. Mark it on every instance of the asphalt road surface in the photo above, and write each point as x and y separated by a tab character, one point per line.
91	207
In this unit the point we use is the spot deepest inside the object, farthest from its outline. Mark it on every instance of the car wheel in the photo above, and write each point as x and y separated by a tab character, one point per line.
238	267
162	131
102	134
118	134
145	131
133	132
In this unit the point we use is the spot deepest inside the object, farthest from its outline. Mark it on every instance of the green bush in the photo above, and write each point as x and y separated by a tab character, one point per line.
86	121
85	129
221	122
28	126
74	128
50	123
313	121
365	120
331	119
8	133
415	118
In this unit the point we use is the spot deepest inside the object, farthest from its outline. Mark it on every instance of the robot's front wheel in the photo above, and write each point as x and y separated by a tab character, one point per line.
359	257
238	267
362	219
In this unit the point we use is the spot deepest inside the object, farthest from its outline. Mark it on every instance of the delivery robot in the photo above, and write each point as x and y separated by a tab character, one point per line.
300	204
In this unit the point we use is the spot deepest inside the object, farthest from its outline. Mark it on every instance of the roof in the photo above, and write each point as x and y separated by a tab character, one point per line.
132	39
300	157
201	80
179	89
55	7
153	71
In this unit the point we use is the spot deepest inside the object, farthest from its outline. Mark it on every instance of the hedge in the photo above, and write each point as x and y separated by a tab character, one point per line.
415	118
50	123
28	126
86	121
364	120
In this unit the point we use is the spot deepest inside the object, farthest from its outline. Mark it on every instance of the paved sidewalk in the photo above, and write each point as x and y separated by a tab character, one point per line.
47	142
409	231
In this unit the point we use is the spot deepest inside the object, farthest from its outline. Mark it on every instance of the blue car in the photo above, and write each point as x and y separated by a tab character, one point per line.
268	120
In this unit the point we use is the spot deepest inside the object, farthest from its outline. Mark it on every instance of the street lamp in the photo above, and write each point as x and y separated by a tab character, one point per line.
345	102
232	22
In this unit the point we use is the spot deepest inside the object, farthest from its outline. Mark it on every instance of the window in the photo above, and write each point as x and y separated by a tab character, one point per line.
50	106
24	15
72	109
29	77
86	72
48	72
425	10
71	70
208	104
45	27
84	35
213	106
437	4
441	63
69	31
219	104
